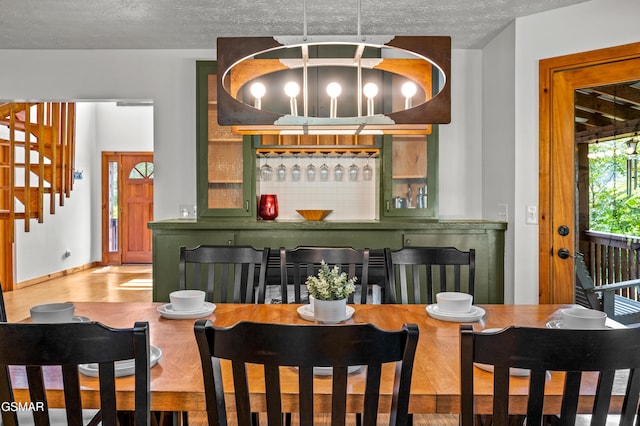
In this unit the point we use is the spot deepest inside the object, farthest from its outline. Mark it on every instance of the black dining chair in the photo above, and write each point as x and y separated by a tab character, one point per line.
46	349
416	274
3	310
299	263
228	274
605	297
574	352
338	347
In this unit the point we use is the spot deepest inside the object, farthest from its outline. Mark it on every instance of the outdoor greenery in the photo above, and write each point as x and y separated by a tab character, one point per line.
614	208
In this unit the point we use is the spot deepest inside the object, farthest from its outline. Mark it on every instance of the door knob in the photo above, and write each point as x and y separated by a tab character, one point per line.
563	230
564	253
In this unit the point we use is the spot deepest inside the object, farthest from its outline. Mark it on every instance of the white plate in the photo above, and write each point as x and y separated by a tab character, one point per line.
519	372
123	368
475	314
328	371
78	318
306	312
167	312
559	324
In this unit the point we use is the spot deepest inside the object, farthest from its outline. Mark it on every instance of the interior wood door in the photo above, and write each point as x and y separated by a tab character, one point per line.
559	78
137	207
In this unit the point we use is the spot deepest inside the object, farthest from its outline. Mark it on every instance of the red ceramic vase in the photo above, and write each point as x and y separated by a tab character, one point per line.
268	208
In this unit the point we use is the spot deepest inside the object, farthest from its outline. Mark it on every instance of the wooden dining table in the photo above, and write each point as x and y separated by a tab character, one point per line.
176	379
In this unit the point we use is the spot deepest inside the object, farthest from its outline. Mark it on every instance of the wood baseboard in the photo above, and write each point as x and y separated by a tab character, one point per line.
53	275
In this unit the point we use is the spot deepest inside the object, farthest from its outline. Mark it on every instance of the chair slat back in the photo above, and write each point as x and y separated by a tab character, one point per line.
316	346
583	285
607	352
228	274
301	262
416	274
65	346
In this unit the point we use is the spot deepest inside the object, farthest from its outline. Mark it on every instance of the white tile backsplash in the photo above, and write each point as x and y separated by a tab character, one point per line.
349	200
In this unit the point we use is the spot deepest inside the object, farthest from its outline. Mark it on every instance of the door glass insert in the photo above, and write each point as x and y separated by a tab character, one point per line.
142	170
113	206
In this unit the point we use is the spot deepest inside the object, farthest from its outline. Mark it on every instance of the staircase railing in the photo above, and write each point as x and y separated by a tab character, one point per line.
36	158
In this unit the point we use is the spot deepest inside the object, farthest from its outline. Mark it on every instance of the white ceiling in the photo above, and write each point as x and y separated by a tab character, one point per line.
195	24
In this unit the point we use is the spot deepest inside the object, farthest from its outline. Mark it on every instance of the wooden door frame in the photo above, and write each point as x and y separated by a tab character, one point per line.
115	258
557	163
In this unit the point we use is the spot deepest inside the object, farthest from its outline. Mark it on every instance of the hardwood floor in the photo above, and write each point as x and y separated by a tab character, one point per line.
130	283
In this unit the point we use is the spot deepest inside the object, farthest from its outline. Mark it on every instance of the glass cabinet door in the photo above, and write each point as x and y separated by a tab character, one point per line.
224	160
409	176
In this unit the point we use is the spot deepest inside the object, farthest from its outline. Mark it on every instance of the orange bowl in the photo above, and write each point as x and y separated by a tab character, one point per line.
314	214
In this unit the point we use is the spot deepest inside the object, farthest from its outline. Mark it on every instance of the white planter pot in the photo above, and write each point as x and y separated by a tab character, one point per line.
330	311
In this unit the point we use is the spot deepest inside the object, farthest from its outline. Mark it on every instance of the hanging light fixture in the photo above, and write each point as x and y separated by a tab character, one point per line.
388	84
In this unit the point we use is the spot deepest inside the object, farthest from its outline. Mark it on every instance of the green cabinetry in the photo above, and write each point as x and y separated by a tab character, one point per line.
409	176
486	237
225	163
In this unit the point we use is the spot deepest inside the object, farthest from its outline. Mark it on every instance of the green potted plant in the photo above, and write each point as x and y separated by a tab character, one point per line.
330	289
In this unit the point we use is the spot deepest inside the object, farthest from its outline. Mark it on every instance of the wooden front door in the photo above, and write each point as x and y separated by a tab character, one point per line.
559	78
128	207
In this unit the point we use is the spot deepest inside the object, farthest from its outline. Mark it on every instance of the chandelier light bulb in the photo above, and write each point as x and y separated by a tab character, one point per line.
408	90
291	89
370	90
333	90
257	91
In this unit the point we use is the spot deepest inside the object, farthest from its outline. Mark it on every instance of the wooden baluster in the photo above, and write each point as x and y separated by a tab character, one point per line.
41	157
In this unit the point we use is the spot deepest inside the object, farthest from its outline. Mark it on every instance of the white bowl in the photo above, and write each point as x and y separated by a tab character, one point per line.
52	312
187	300
454	302
582	318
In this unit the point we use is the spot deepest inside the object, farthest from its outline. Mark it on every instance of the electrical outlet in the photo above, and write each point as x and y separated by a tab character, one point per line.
532	215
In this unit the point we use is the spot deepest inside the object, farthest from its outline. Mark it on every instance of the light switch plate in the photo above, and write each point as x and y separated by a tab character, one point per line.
532	215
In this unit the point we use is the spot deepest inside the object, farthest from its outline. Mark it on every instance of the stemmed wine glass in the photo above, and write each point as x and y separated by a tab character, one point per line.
324	170
353	170
281	171
311	171
338	172
295	170
367	170
266	172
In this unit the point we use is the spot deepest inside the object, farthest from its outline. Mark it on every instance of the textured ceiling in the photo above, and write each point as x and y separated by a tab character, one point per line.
195	24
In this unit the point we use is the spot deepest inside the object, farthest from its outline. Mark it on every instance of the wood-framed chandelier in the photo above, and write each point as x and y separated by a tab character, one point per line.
334	84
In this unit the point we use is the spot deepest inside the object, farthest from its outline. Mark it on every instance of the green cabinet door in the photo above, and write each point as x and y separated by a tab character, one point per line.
225	163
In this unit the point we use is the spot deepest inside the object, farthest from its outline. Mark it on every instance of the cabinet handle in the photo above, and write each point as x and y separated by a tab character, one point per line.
388	205
408	242
246	205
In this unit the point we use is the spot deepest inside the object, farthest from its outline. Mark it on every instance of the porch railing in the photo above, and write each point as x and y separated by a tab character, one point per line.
613	258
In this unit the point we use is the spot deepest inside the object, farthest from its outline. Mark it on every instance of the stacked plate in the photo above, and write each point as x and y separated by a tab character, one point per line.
475	314
167	311
122	368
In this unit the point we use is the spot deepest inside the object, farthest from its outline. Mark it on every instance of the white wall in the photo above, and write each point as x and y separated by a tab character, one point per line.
498	134
460	178
586	26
